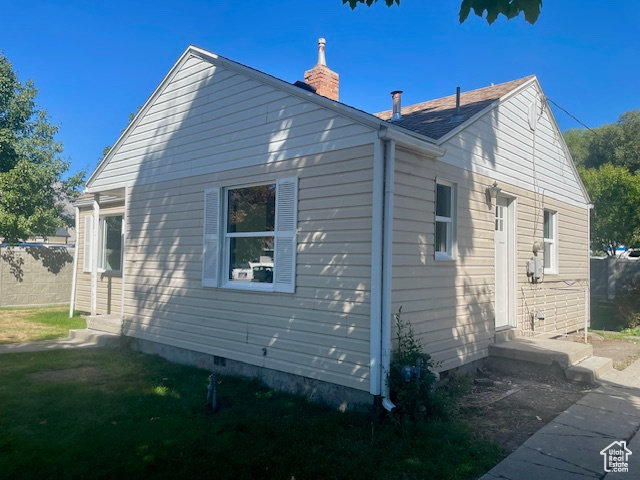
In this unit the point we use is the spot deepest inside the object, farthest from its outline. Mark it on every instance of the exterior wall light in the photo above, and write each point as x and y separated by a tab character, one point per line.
492	193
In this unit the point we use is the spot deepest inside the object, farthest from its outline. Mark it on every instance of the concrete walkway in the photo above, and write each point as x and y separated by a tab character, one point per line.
569	446
85	338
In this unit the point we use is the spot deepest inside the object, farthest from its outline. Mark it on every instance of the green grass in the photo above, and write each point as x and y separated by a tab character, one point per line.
116	414
37	323
630	334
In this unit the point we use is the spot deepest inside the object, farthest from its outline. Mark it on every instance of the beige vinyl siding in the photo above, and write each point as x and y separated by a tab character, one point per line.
208	119
560	296
447	302
321	331
109	285
501	145
451	304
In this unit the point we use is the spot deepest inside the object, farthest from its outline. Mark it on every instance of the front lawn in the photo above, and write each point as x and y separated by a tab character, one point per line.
37	323
117	414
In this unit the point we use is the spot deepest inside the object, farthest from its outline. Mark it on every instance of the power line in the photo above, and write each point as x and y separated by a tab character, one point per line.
572	116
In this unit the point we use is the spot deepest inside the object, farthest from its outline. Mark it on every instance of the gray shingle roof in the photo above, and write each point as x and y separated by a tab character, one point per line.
433	118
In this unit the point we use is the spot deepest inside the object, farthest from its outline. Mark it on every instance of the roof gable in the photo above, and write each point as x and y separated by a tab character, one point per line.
516	140
434	117
192	52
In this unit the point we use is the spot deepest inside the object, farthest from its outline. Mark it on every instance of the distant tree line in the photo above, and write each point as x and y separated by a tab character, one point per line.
608	159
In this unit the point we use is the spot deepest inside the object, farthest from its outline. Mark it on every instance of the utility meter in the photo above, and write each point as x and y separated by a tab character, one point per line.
535	269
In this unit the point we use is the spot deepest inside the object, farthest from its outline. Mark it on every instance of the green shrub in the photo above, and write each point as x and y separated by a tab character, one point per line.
628	306
414	399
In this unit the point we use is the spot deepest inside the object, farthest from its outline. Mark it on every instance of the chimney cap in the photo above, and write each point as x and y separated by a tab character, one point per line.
396	92
321	57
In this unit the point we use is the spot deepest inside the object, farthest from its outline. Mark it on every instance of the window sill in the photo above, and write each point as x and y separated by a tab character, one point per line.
249	286
443	257
550	272
110	273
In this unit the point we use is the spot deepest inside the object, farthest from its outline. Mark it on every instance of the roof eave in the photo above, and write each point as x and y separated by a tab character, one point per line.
411	140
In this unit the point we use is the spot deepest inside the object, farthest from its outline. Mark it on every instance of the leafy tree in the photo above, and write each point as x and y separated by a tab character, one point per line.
628	148
616	143
32	189
494	8
615	193
577	141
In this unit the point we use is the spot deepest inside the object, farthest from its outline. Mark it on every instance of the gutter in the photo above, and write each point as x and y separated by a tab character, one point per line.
413	142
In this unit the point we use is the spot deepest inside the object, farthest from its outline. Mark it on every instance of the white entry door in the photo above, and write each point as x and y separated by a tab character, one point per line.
502	263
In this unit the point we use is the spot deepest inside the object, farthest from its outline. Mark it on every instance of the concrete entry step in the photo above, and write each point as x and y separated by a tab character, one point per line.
542	351
589	370
105	323
506	334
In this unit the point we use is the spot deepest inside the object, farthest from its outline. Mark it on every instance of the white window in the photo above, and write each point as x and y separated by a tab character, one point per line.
110	253
550	242
88	242
445	231
250	236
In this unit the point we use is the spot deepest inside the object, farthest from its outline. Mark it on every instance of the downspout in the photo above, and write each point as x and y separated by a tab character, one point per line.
95	248
376	267
74	275
387	271
123	267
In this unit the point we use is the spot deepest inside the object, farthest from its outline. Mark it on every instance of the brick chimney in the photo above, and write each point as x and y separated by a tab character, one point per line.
321	77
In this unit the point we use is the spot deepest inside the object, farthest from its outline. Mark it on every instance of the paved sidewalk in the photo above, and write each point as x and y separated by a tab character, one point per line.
569	446
77	339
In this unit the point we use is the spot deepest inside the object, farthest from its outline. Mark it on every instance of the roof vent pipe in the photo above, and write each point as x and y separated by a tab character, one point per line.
396	95
457	116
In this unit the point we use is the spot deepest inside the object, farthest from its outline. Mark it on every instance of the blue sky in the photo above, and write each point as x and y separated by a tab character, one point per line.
95	63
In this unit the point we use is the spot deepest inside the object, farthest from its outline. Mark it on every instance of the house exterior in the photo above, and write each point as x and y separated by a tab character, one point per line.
269	229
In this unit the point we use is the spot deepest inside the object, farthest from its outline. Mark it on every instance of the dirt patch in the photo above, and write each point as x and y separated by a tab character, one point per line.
508	409
80	374
622	352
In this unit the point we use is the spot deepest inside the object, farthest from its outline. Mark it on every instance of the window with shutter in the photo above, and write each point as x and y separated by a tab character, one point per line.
210	252
250	236
285	244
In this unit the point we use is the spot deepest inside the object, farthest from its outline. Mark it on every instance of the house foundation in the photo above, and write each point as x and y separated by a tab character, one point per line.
317	391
